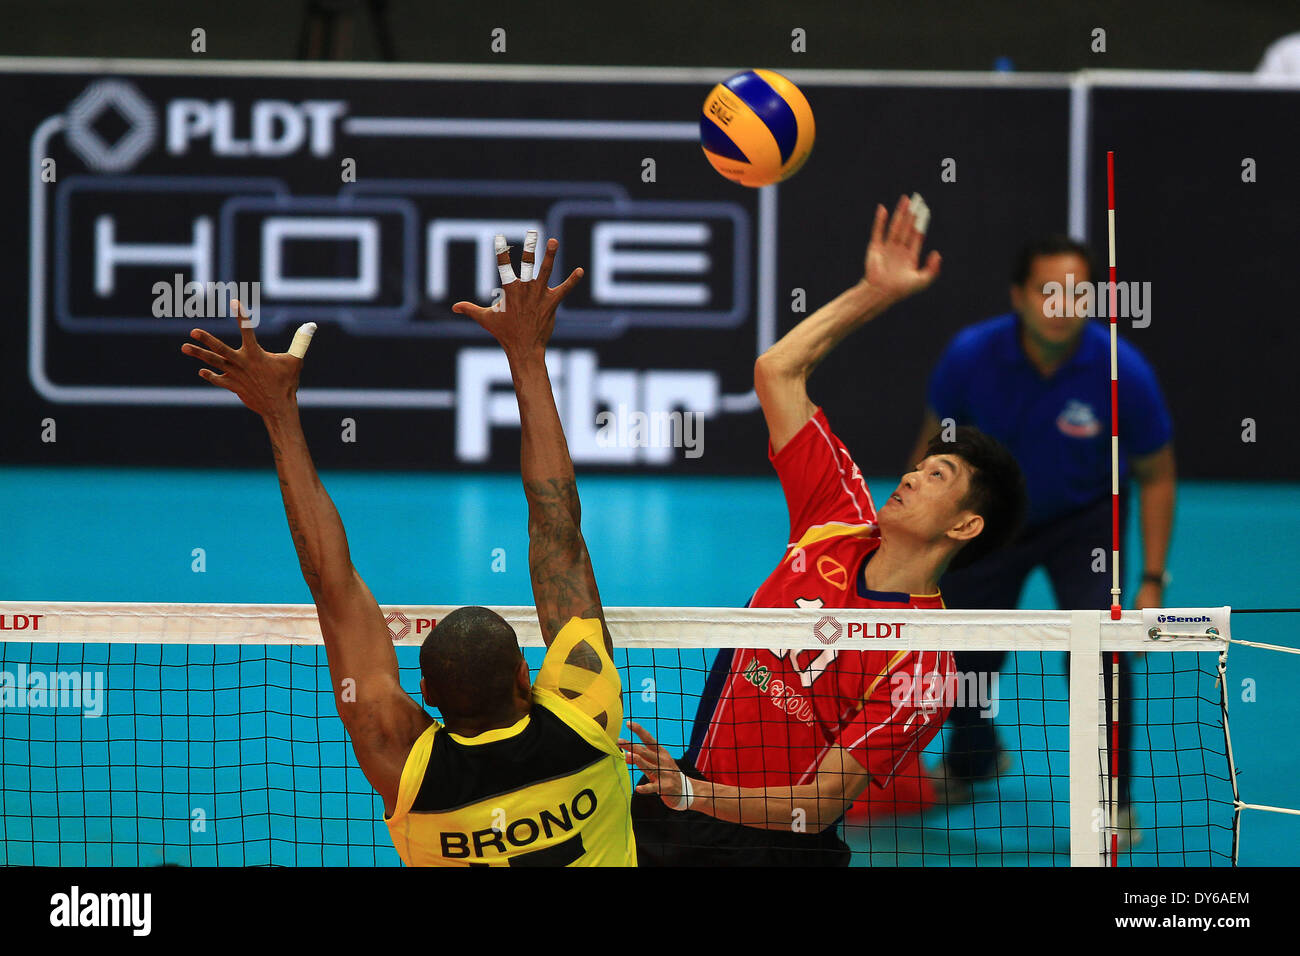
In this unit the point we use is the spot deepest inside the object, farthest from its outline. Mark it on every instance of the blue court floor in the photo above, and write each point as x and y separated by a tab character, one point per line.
130	534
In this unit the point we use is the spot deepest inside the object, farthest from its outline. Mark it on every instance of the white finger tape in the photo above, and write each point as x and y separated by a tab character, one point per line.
530	253
507	271
302	339
921	211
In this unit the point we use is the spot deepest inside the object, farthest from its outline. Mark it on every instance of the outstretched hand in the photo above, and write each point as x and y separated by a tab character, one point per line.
523	320
893	256
662	774
264	381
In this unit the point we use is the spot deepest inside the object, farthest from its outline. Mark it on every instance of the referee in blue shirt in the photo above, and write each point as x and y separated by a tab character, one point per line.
1041	385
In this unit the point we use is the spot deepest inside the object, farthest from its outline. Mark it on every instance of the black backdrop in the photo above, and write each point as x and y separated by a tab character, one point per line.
1216	250
1223	257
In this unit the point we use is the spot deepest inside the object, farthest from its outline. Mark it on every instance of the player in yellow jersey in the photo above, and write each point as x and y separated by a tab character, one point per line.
518	774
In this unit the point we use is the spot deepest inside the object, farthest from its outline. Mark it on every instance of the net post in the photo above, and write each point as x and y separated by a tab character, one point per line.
1085	719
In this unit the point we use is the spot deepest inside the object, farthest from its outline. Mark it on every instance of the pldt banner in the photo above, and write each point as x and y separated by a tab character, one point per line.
360	207
368	205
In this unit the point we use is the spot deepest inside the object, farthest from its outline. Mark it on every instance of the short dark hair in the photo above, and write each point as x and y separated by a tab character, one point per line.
1057	244
469	661
997	489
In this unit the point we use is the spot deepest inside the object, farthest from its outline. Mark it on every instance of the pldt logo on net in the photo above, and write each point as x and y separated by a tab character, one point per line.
400	626
828	630
381	256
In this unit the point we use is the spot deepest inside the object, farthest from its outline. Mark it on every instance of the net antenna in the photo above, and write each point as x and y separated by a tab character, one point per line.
1113	749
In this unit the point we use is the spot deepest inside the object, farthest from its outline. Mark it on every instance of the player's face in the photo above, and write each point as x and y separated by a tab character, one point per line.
1032	303
926	503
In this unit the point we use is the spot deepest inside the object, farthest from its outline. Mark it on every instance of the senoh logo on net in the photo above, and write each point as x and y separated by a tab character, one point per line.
828	630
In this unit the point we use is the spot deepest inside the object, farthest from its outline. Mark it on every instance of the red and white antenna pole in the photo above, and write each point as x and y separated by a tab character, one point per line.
1114	394
1114	510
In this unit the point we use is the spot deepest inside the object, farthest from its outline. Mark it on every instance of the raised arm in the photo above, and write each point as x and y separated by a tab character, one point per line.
890	274
564	585
381	719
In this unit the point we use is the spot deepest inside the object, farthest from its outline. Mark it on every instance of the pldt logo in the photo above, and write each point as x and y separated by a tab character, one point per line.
399	625
276	127
92	107
827	630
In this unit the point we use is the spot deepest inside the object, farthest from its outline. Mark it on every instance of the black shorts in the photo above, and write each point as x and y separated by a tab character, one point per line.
667	837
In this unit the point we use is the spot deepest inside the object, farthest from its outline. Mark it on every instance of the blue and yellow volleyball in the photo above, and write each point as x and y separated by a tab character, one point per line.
756	128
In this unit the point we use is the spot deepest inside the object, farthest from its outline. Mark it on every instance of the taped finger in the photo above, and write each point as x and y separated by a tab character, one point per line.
529	257
922	213
506	270
302	340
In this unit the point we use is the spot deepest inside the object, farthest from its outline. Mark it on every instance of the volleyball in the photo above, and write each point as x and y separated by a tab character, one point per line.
756	128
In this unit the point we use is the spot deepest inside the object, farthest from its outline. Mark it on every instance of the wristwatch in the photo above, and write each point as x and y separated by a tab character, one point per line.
1162	578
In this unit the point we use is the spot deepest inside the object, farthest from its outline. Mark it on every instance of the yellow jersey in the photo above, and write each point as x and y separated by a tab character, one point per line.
550	790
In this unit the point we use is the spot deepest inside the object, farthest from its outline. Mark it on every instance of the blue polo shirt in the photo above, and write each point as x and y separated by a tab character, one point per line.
1058	427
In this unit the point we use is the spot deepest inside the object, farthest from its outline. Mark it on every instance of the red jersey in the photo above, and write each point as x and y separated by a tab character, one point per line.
779	713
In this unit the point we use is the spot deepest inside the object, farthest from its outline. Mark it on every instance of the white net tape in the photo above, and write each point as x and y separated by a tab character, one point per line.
631	627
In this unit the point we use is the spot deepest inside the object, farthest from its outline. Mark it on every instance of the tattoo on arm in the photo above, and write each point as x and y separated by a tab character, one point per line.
564	585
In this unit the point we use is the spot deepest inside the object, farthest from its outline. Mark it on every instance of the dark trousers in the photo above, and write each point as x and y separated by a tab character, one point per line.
1064	549
667	837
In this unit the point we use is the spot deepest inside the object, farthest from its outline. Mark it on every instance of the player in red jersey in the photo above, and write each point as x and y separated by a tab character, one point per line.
785	742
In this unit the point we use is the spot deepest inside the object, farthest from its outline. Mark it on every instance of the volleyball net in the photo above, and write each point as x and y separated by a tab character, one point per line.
143	734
